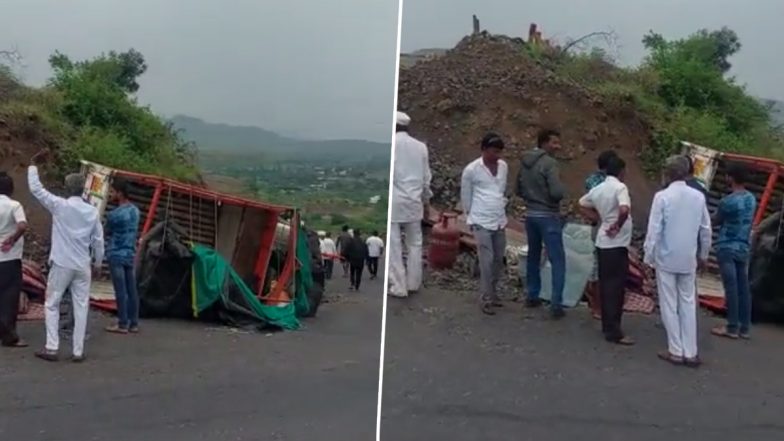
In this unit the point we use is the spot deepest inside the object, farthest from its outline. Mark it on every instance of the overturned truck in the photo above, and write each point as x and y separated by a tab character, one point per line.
213	256
766	182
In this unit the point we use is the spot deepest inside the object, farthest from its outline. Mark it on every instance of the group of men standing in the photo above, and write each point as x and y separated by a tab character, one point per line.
678	240
76	255
354	252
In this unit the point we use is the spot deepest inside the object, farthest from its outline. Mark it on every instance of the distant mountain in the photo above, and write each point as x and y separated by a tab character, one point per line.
242	140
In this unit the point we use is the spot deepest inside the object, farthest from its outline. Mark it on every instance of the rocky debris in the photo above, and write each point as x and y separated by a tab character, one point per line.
491	83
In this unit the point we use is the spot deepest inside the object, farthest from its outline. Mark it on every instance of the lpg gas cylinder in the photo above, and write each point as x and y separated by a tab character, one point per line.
444	243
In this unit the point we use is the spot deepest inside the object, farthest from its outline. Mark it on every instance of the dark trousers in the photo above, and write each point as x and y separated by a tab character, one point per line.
613	269
373	267
356	273
329	266
10	289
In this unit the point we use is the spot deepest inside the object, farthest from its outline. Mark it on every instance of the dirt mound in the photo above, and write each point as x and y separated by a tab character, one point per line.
17	145
489	83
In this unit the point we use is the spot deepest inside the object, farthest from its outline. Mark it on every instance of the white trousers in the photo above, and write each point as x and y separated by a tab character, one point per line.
405	277
61	279
678	305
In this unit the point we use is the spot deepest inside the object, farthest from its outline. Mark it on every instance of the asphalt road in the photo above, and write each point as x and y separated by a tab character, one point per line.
192	381
453	373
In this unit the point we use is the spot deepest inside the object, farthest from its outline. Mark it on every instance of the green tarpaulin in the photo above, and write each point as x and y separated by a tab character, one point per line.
214	278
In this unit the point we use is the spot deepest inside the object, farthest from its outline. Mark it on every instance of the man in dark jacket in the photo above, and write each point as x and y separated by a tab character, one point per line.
356	253
540	186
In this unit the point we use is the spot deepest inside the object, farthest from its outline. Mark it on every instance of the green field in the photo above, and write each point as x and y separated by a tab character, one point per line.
330	194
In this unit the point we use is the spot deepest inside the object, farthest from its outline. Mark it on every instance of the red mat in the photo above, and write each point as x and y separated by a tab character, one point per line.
104	305
35	312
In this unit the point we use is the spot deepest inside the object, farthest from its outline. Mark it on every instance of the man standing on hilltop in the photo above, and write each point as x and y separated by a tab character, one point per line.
13	225
410	205
483	195
539	185
76	231
375	251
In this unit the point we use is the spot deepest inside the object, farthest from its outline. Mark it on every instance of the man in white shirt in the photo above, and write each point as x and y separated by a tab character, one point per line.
329	251
12	228
609	204
375	251
483	196
410	204
76	231
679	229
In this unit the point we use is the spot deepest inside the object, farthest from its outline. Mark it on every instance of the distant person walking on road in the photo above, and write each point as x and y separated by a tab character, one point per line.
328	252
678	230
123	230
375	250
609	203
13	225
76	234
343	240
410	205
594	179
356	254
483	196
735	215
539	185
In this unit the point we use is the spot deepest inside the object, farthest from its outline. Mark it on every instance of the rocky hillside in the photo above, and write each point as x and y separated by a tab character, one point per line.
489	83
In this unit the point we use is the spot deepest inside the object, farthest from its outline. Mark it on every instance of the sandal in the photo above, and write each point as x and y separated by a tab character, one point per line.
668	357
692	362
625	341
18	344
133	330
745	335
487	308
47	355
114	329
721	331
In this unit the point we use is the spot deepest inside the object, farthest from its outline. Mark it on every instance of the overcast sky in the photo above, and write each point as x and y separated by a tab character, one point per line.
441	23
311	68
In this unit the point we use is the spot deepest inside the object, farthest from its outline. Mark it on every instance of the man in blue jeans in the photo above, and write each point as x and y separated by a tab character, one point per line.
735	215
539	184
123	227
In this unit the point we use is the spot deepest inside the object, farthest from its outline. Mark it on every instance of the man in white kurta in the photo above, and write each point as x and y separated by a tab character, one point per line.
76	231
410	198
678	230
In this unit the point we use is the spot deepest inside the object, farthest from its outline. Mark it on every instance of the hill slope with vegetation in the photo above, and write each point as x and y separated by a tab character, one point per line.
88	109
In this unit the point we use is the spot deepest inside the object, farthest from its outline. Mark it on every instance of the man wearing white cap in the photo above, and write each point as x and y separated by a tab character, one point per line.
410	204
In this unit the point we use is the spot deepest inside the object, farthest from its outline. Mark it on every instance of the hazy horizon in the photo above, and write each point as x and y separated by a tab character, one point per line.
310	71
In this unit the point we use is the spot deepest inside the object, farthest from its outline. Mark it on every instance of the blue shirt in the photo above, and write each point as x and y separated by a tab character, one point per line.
123	225
736	213
594	179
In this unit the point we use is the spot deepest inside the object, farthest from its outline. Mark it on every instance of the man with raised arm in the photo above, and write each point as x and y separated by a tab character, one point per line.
77	238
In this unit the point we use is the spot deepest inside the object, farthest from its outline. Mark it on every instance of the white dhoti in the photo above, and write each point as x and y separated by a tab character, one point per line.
61	279
405	277
678	305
